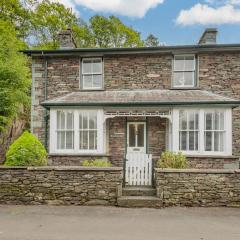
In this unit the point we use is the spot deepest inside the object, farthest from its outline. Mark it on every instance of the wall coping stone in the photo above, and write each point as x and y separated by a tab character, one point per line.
212	156
197	171
63	168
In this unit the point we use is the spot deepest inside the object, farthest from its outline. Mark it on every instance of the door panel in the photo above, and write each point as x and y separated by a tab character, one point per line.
136	137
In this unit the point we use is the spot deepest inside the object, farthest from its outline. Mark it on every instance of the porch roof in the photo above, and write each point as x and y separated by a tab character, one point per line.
141	98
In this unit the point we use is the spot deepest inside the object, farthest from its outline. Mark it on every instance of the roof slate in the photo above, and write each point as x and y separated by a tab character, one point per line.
140	97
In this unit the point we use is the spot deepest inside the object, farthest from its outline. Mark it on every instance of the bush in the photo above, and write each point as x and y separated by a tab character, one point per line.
172	160
96	163
27	150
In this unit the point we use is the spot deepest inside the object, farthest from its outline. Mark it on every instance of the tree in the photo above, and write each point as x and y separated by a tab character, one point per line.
14	75
111	32
151	41
18	14
47	20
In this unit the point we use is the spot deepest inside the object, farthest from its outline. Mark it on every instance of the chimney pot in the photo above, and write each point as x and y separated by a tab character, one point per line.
66	39
209	36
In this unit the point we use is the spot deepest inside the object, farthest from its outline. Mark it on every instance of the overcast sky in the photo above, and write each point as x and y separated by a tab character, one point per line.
174	22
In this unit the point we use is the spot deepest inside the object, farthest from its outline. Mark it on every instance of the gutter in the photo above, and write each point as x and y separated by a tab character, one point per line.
136	104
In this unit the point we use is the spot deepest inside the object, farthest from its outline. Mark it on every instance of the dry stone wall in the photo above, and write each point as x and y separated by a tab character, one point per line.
59	185
194	187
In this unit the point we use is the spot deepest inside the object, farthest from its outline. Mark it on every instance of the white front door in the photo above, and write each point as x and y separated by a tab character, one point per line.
136	137
138	164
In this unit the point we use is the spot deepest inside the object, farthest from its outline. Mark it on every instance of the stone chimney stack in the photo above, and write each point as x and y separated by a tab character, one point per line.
209	36
66	39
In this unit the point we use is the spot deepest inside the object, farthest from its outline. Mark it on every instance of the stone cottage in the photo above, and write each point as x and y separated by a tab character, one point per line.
130	104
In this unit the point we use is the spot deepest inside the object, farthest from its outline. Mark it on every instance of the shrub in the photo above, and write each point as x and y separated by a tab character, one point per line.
96	163
27	150
172	160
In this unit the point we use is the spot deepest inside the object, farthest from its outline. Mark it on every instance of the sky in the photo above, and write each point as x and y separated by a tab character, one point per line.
174	22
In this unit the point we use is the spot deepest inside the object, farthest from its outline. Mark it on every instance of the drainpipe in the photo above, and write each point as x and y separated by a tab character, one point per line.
46	115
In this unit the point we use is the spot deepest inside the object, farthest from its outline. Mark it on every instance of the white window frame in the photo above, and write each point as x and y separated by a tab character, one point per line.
53	132
201	149
194	83
91	73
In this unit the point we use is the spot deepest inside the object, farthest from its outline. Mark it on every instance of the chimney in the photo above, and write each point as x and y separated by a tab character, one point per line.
66	39
209	36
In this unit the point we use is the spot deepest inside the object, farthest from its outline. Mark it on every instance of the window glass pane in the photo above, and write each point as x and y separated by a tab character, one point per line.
221	121
92	120
97	66
216	141
62	120
69	140
85	121
69	120
196	121
196	141
58	119
178	78
183	141
87	66
92	140
208	141
179	63
62	140
83	141
188	78
208	121
132	135
191	141
189	63
140	135
191	120
58	140
97	81
221	142
80	121
183	120
87	81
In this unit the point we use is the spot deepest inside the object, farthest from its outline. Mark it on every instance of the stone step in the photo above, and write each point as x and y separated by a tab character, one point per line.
139	201
138	191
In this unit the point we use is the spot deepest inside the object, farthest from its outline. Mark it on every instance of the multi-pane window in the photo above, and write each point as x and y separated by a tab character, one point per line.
88	131
92	73
214	131
188	130
65	130
184	73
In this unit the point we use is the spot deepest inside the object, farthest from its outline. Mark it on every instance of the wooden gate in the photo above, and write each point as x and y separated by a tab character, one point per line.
138	170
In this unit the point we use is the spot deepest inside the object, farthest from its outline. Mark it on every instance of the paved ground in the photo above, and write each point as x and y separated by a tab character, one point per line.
108	223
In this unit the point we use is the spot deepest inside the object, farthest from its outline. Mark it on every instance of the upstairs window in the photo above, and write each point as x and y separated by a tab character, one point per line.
92	73
184	73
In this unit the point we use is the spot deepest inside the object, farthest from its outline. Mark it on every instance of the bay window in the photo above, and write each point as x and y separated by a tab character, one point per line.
202	131
76	131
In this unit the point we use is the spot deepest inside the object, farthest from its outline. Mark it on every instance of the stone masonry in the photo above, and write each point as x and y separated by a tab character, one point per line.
194	187
59	185
218	72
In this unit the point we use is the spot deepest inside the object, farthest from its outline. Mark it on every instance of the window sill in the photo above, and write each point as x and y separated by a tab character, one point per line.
185	88
211	156
80	154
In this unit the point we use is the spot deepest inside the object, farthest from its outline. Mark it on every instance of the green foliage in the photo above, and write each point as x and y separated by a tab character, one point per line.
96	163
111	32
151	41
48	19
14	75
172	160
27	150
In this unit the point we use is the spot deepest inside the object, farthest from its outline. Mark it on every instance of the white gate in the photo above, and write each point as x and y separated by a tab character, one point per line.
138	170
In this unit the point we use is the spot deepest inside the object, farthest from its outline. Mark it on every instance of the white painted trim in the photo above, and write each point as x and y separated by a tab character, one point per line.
228	131
53	132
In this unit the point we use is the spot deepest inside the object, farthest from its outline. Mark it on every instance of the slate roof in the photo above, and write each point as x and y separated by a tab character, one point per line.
140	98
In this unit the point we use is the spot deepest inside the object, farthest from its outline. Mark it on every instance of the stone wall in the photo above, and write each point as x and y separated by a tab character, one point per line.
193	187
59	185
213	162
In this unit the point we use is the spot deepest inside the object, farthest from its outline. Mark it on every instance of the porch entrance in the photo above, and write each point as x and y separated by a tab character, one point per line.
138	170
